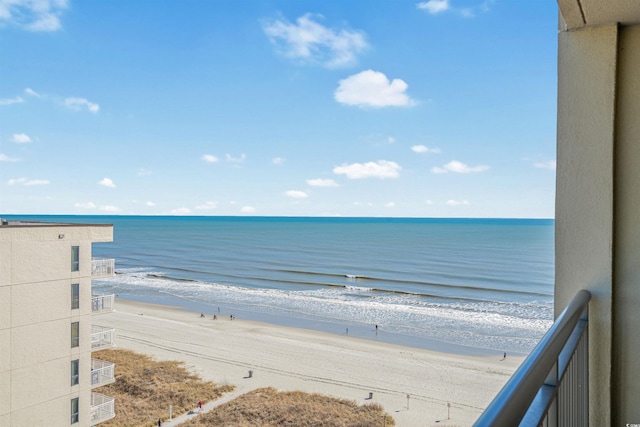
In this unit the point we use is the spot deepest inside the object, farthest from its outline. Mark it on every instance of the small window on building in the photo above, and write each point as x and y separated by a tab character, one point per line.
74	410
75	296
75	334
75	258
75	371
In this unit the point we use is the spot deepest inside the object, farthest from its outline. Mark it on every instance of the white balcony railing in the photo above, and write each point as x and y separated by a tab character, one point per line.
102	373
551	387
103	267
102	303
102	337
102	408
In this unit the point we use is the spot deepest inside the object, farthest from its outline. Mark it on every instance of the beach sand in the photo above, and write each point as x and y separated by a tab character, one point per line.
224	350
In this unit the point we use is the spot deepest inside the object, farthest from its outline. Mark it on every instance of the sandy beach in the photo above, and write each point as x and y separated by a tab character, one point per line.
224	351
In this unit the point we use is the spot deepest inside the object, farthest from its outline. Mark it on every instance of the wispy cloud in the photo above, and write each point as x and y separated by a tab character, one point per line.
390	205
372	89
5	158
27	182
210	158
85	205
296	194
549	164
424	149
33	15
311	42
150	204
455	166
434	7
380	169
248	209
319	182
21	138
144	172
180	211
78	104
10	101
277	161
452	202
207	206
110	208
107	182
230	159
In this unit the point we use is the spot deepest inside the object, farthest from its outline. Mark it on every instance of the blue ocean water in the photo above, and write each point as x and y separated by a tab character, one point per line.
471	285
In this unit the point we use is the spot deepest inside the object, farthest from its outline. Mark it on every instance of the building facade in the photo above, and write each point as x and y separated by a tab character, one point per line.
47	375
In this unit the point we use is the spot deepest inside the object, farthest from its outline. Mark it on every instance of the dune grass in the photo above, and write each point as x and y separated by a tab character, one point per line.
144	388
269	407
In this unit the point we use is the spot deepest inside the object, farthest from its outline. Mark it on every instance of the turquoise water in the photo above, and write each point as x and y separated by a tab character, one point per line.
466	285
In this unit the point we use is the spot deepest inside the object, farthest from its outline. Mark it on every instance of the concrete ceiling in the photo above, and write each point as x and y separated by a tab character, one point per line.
596	13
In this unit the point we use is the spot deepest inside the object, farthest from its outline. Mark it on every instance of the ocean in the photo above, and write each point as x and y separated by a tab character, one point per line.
473	286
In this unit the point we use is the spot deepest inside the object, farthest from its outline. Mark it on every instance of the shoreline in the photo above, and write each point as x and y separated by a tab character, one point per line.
290	358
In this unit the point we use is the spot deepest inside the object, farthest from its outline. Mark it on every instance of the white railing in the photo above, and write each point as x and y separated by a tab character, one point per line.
103	267
102	303
102	337
102	373
551	387
102	408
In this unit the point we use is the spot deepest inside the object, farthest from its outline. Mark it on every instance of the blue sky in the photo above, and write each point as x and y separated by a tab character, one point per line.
439	108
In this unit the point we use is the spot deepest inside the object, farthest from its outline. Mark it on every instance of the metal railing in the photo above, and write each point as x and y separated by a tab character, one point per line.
102	408
102	303
102	373
551	387
102	337
103	267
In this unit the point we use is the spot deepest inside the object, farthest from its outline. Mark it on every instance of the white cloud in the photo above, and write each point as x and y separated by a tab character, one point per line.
380	169
32	92
9	101
27	182
180	211
311	42
372	89
33	15
107	182
457	202
231	159
277	161
390	205
391	140
319	182
550	164
144	172
150	204
424	149
455	166
87	205
21	138
207	206
297	194
5	158
428	202
248	209
434	6
210	158
109	208
77	104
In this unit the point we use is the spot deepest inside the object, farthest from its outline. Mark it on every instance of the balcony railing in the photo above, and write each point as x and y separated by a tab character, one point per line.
551	387
102	408
102	303
102	373
103	267
102	337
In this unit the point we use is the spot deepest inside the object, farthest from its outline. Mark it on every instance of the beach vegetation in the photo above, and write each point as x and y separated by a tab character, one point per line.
270	407
145	388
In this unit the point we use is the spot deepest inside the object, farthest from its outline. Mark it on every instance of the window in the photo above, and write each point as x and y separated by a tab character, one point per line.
75	296
75	371
75	334
74	410
75	258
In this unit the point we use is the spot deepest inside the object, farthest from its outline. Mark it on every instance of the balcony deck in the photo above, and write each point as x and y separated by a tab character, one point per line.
103	267
102	303
102	408
102	337
102	373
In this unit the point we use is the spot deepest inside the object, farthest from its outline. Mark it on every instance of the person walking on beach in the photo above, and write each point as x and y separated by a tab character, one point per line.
159	422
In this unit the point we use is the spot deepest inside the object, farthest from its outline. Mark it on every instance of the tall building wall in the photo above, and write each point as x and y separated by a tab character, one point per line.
36	315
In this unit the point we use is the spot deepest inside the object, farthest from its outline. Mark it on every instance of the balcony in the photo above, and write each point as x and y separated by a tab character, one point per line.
102	373
551	387
102	337
102	408
103	267
102	303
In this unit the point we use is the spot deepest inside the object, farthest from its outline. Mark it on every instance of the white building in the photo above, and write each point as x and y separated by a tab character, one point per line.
46	331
